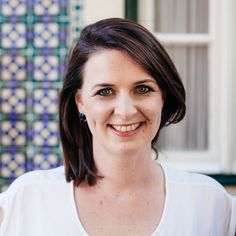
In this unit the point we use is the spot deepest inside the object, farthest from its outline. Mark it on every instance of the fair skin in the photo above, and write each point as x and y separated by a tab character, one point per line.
123	105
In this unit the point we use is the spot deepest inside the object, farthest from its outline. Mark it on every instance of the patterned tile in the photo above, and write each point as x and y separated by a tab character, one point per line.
13	7
13	35
46	68
13	100
13	67
13	133
12	164
34	38
45	133
46	7
46	35
45	101
45	160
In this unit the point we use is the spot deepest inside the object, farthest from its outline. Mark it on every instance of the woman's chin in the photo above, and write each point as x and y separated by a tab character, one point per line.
127	149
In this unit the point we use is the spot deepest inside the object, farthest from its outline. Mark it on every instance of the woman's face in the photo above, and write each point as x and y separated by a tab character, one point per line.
122	103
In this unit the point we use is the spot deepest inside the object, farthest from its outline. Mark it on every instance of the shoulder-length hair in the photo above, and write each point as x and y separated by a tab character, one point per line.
142	47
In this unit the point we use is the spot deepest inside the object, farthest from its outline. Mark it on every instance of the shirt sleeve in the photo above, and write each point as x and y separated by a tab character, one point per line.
3	200
233	217
3	206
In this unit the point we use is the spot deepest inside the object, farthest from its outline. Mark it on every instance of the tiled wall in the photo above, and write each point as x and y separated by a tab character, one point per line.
33	46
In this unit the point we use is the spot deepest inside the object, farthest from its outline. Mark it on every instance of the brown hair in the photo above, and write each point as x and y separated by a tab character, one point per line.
142	47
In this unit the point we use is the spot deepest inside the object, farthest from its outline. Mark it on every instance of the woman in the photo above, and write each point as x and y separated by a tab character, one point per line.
121	88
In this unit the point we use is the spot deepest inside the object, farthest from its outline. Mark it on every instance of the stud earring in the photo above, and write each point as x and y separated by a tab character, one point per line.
82	117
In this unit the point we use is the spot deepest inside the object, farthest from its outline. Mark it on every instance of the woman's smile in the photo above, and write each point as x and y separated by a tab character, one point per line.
126	130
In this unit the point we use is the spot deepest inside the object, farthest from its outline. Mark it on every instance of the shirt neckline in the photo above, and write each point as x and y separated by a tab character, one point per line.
163	216
166	203
74	211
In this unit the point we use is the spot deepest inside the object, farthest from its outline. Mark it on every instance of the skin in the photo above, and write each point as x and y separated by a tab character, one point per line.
123	105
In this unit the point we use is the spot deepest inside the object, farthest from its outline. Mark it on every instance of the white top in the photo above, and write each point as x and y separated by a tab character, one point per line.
42	203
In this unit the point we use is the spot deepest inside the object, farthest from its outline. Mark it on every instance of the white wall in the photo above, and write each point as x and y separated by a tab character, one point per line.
94	10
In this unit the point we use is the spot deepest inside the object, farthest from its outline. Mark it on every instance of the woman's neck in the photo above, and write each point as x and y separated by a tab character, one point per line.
126	171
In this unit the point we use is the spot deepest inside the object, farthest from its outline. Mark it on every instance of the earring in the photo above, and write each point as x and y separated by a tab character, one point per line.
82	117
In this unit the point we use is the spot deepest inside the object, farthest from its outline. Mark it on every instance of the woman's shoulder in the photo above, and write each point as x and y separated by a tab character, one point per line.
41	191
31	186
200	199
196	182
38	177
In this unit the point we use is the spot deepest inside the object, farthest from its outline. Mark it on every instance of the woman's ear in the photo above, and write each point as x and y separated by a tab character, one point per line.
78	100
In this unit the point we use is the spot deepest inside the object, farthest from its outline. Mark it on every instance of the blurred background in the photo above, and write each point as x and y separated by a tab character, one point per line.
200	37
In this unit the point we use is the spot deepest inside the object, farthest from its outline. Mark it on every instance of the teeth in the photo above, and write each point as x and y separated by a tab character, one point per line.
126	128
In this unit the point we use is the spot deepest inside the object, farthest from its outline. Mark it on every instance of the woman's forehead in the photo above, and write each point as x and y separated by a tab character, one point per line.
111	64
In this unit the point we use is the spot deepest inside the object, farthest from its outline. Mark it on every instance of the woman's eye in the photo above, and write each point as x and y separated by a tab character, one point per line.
105	92
143	89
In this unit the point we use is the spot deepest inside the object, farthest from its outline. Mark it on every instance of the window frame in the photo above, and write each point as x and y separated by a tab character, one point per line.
219	159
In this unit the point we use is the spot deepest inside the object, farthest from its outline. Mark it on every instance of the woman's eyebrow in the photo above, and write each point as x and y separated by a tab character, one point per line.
102	85
146	81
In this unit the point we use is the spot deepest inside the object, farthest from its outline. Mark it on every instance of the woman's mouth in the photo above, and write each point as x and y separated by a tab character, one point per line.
127	129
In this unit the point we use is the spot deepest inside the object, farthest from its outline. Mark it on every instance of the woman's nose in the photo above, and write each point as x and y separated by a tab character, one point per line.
125	106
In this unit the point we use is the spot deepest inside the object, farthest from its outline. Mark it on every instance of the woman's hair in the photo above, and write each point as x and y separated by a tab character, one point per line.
144	49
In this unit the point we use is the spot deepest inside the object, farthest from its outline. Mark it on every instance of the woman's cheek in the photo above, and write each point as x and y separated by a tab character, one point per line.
99	112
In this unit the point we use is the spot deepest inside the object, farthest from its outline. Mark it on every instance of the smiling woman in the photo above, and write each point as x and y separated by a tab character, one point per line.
92	58
120	89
